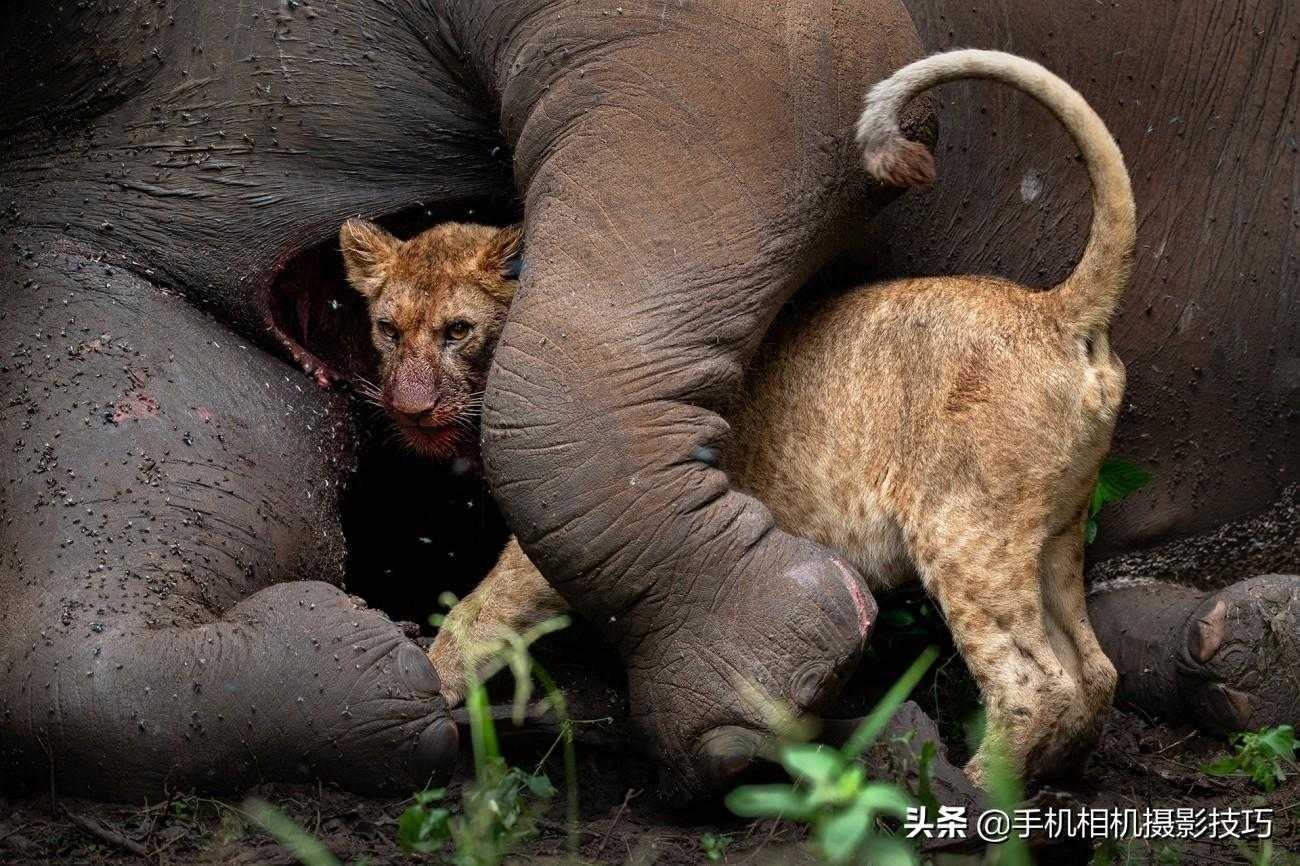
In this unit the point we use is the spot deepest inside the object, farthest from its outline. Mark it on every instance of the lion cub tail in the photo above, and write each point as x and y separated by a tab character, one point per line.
1087	299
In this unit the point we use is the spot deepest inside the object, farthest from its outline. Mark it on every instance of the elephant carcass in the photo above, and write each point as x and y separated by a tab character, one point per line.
684	169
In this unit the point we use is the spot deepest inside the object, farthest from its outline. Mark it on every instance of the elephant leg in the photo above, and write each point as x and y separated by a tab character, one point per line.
1227	660
665	230
606	475
169	556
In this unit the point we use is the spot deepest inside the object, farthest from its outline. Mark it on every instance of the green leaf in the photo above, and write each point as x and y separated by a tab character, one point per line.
839	836
1280	741
767	801
1267	776
888	851
841	791
541	786
1117	479
714	846
882	798
422	830
1225	766
924	785
1262	756
430	795
819	764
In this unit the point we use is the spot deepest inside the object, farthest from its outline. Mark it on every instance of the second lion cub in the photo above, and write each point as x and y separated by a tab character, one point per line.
947	430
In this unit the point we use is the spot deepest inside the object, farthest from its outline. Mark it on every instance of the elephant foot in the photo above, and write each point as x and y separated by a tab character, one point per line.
296	682
1227	660
709	688
360	703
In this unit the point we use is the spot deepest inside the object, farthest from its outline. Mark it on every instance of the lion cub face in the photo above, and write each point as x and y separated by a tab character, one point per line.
437	305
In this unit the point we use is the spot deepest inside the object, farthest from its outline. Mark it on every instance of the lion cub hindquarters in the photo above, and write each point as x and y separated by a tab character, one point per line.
891	420
951	429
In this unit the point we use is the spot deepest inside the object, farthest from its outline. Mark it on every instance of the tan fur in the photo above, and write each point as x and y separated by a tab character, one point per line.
511	598
947	430
420	293
1086	300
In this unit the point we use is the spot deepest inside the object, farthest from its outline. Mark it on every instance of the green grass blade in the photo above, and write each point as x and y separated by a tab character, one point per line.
309	850
1006	792
869	731
560	707
482	730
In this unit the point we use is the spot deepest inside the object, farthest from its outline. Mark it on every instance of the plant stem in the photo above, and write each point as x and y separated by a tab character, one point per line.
870	729
561	709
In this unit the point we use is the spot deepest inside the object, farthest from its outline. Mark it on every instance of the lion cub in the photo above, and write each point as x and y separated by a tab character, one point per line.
437	304
947	430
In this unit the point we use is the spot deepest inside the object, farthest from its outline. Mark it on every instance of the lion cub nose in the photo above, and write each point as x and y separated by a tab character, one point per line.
413	396
414	409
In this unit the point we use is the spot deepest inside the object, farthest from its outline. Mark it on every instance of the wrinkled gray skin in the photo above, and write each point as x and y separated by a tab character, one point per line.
170	548
170	553
1225	659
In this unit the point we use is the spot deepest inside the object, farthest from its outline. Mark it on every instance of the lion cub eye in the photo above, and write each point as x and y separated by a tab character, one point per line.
389	331
458	329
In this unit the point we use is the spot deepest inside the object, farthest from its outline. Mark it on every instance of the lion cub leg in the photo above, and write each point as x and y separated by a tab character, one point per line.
1076	644
985	576
512	597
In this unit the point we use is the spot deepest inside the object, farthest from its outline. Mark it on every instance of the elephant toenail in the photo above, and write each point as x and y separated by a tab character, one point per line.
436	751
727	752
1228	707
416	670
812	684
1207	633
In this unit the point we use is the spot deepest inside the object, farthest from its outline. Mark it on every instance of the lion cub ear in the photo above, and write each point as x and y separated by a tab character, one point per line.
368	252
505	251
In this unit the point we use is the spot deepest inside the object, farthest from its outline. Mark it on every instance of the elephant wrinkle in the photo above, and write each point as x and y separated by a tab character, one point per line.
183	197
980	341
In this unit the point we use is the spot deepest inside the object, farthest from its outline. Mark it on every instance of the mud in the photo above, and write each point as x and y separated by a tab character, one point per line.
1139	765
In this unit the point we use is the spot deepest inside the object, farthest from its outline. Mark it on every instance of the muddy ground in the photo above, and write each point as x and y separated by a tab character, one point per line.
397	531
623	821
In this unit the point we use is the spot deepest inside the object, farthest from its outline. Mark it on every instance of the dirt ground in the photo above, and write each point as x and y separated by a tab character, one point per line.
623	821
1139	764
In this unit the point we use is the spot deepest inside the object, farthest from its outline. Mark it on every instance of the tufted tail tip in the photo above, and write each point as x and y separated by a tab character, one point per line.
901	163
